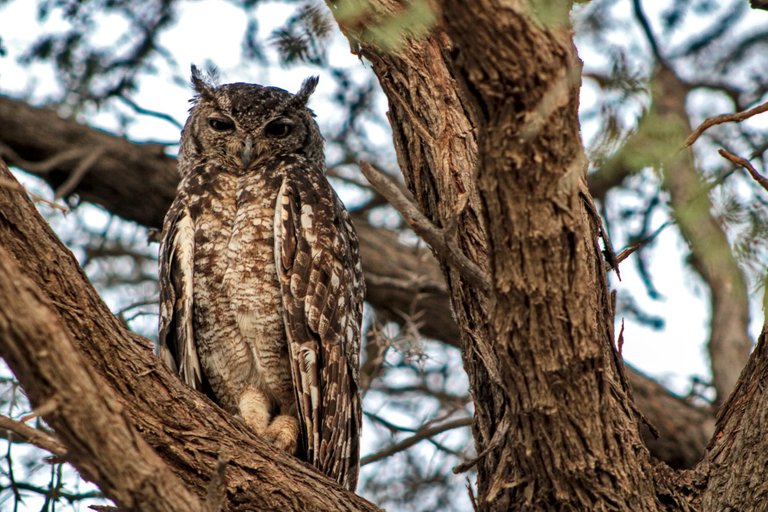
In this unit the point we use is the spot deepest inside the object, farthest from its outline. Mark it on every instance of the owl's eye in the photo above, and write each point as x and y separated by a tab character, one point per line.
278	128
221	124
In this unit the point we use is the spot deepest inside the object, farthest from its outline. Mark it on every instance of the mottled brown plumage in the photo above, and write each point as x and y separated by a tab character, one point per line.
261	284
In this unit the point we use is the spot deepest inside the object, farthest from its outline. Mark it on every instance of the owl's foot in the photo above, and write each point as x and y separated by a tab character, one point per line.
283	432
254	407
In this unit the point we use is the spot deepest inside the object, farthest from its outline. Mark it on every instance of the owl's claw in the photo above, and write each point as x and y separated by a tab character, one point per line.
283	433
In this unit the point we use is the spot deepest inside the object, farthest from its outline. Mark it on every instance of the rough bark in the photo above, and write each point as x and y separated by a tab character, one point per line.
734	468
492	155
82	410
122	388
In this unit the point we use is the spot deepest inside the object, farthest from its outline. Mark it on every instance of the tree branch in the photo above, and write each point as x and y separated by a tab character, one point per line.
68	350
434	236
32	435
743	162
725	118
417	437
83	410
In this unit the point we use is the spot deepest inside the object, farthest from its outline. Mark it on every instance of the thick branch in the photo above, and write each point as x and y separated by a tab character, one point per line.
184	428
122	170
84	412
682	429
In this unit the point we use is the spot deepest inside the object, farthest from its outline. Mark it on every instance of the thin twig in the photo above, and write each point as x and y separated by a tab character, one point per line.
743	162
632	248
74	178
646	26
71	497
423	227
472	498
147	112
46	407
14	185
42	167
725	118
34	436
419	436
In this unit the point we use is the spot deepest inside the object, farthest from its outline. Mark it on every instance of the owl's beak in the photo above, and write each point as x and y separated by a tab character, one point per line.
246	155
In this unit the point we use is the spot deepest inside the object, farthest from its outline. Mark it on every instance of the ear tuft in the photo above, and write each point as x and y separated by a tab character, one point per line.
204	83
307	88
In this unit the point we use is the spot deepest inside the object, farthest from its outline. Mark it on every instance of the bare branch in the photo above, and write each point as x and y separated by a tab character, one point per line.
724	118
148	112
646	26
743	162
34	436
423	227
85	165
420	435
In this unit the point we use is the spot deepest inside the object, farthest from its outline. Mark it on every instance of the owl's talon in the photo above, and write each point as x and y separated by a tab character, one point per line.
283	433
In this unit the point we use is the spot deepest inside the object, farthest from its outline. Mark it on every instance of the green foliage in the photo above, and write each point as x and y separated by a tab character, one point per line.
390	32
304	36
552	13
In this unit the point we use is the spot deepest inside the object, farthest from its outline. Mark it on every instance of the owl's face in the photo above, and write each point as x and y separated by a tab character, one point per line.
242	126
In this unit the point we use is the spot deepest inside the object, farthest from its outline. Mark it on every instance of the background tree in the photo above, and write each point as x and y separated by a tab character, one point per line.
487	138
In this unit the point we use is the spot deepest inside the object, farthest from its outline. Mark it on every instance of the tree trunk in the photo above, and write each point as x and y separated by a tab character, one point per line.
484	112
493	155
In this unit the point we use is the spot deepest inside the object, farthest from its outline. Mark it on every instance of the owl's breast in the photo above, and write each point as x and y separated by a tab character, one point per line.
238	307
251	278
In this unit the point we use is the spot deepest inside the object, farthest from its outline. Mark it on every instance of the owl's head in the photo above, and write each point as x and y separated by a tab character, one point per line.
241	126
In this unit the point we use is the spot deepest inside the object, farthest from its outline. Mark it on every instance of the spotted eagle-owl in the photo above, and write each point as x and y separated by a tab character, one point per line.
261	289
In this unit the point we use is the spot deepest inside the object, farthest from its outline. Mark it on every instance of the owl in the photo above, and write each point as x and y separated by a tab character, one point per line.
261	287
